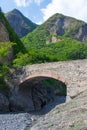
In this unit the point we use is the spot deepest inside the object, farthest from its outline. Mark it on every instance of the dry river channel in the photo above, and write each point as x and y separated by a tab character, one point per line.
24	121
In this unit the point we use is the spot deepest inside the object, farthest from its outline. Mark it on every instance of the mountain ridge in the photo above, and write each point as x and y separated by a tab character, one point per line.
59	25
38	47
21	24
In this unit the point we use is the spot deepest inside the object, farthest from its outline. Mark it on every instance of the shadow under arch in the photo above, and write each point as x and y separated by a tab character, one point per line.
45	91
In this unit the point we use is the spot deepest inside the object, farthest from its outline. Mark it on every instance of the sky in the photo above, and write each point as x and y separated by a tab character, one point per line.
39	11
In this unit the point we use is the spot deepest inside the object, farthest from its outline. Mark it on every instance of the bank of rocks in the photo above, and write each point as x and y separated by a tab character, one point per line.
26	98
70	116
4	103
33	95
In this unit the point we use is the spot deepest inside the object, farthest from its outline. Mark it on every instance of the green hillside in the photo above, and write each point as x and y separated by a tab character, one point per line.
70	35
58	25
65	49
36	50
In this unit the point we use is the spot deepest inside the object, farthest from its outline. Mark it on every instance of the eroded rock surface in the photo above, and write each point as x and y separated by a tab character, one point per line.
4	36
4	103
30	98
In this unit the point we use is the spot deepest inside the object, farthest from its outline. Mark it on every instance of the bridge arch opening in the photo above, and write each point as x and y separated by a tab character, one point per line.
36	90
57	86
39	91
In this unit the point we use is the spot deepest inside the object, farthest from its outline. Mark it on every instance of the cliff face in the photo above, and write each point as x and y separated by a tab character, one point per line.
70	27
62	25
7	34
20	23
4	36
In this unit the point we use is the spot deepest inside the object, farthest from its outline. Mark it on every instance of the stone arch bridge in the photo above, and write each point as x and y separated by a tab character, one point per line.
72	73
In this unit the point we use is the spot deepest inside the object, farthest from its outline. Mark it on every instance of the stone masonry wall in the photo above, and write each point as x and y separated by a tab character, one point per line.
72	73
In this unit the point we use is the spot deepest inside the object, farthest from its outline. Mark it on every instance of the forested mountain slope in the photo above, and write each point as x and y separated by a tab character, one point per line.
20	23
58	25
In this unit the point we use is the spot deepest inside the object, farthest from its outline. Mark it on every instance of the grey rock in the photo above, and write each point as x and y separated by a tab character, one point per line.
4	36
41	96
4	103
61	25
20	101
71	115
30	98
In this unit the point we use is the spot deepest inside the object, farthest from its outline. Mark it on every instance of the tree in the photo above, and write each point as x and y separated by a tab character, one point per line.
5	47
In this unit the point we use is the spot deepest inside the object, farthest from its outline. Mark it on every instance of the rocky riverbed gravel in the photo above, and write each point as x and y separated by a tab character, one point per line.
23	121
71	115
15	121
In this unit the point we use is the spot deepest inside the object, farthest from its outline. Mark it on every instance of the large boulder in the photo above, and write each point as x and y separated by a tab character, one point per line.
27	98
21	101
41	95
4	103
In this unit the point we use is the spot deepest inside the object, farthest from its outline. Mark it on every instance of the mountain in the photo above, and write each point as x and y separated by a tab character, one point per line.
67	33
63	25
20	23
58	25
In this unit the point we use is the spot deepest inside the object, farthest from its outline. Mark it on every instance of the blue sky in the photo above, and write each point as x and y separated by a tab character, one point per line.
40	10
30	8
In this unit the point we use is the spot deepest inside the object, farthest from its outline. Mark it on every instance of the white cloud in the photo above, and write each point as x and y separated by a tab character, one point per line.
38	2
74	8
25	3
22	2
39	23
